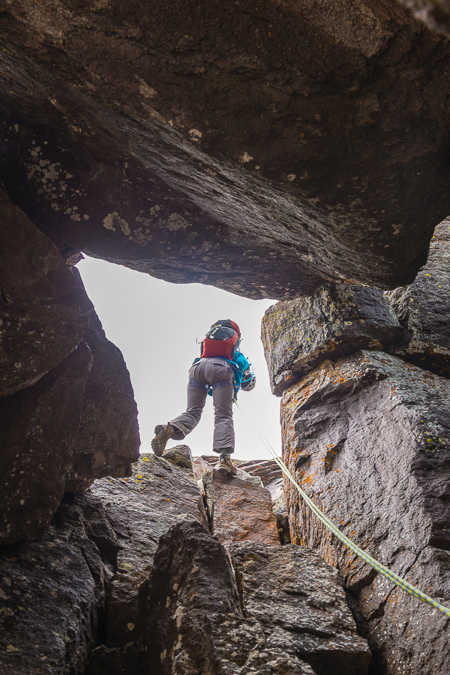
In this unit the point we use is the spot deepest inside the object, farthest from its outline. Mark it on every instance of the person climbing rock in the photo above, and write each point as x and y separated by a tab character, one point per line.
220	371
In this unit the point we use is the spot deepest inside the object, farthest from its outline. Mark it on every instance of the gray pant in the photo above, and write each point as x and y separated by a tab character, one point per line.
218	374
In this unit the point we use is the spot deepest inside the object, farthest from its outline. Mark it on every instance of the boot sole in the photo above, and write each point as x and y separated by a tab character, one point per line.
227	470
157	441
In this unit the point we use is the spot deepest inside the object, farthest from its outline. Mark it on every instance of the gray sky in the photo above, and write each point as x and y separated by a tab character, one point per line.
155	324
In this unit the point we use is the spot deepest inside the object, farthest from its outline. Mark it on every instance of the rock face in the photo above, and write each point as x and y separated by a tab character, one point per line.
108	436
368	439
140	509
182	139
193	630
186	631
297	599
61	433
67	410
435	13
336	320
127	580
52	598
37	448
78	585
240	509
423	308
43	310
181	456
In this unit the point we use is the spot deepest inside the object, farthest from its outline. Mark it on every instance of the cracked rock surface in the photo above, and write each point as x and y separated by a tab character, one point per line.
301	606
338	319
67	409
240	508
76	589
141	509
52	598
368	439
423	309
196	623
260	148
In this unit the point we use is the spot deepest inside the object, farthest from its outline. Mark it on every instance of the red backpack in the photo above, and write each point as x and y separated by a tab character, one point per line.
221	340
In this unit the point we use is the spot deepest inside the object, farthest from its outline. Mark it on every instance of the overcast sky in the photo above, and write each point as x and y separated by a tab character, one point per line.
156	324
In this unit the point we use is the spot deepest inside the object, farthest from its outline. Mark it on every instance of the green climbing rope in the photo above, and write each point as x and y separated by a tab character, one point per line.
385	571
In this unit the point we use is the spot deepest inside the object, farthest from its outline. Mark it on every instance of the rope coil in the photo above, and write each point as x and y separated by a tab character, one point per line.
379	567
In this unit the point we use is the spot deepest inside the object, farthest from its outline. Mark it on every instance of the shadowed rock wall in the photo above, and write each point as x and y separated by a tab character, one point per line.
67	410
127	580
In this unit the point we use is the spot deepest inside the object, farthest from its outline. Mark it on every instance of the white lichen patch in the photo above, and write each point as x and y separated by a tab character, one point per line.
245	158
205	247
145	90
178	616
176	222
113	219
195	134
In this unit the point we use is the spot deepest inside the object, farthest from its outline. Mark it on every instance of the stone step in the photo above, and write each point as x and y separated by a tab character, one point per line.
240	508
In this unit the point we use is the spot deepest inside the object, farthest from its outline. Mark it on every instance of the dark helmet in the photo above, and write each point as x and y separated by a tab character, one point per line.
229	324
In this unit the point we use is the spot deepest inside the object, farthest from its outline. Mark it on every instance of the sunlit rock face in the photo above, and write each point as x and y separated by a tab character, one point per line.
240	508
259	148
67	410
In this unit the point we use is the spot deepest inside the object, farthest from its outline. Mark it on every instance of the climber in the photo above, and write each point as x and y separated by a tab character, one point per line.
220	372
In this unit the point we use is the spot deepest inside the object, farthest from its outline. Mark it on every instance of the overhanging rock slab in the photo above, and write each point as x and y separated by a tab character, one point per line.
259	148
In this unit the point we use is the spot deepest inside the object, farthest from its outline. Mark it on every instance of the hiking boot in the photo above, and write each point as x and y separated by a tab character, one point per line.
163	432
225	464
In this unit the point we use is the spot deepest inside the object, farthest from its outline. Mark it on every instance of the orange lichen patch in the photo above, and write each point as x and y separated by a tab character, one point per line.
307	480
